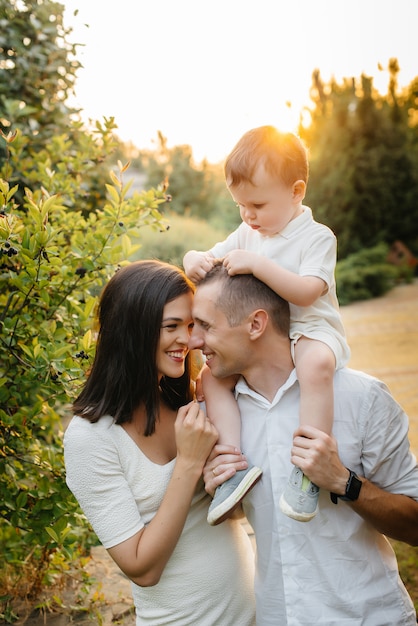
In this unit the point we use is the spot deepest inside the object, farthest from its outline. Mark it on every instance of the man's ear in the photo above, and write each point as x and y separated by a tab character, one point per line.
299	190
259	320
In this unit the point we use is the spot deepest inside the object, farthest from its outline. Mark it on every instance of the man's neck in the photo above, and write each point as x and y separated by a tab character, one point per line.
266	378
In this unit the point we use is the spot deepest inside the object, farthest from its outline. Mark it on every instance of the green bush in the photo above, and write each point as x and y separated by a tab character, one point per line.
54	262
365	274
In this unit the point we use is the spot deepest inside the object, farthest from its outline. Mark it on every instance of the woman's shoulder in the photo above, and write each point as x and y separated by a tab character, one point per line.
83	432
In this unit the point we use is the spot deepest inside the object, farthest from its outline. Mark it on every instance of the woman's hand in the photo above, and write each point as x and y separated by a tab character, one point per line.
195	436
222	463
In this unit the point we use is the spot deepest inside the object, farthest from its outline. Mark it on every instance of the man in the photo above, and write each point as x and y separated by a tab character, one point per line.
340	568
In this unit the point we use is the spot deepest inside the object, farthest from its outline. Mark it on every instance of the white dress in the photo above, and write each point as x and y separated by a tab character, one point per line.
208	580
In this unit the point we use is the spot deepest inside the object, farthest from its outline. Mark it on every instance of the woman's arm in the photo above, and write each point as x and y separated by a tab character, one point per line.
144	556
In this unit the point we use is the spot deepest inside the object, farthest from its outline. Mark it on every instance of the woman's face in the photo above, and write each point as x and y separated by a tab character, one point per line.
175	333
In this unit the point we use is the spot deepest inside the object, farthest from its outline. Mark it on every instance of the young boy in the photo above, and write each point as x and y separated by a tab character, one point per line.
279	243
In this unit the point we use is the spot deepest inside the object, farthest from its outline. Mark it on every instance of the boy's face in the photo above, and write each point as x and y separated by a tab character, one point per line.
266	204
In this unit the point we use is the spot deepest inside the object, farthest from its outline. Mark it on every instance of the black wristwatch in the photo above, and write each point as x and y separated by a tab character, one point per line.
352	489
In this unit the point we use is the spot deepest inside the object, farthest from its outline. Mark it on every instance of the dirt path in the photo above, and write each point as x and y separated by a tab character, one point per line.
383	337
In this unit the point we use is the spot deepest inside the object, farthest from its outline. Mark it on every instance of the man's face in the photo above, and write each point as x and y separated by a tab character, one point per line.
225	347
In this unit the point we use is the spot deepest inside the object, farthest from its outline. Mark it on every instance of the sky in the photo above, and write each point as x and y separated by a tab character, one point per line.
203	73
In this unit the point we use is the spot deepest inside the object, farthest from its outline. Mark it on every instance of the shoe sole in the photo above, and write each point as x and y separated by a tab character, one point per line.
224	510
299	517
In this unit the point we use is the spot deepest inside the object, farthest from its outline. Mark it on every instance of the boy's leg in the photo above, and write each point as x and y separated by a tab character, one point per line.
221	407
222	410
315	367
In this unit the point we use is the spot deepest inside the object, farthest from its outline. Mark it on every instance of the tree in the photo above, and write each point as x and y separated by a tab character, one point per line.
38	72
196	190
363	148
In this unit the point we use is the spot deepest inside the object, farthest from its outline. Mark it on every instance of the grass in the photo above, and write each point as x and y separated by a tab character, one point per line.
408	567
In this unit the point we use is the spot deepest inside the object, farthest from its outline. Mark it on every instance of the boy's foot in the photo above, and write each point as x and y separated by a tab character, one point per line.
300	498
230	493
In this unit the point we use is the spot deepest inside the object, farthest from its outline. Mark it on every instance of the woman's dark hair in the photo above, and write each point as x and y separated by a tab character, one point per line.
124	373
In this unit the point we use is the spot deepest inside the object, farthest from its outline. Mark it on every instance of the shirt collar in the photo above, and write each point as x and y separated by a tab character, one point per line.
294	226
242	388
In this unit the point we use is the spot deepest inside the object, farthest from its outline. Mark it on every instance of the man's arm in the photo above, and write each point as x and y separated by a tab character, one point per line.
391	514
394	515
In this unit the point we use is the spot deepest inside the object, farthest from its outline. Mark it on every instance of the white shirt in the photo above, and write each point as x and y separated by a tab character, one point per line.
335	570
307	248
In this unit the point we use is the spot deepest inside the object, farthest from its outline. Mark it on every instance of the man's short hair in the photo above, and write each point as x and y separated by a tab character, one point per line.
243	293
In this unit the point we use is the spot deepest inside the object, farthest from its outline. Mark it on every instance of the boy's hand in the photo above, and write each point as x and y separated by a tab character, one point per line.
240	262
197	264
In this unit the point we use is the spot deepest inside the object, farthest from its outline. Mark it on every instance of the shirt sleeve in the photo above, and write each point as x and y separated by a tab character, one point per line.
319	256
95	476
232	242
387	458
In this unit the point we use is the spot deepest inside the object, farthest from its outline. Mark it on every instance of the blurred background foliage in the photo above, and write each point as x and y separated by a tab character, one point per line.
76	202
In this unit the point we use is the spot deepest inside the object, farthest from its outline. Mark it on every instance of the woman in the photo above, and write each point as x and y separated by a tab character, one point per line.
134	455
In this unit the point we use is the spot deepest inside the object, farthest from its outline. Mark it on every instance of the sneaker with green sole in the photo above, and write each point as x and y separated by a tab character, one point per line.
300	497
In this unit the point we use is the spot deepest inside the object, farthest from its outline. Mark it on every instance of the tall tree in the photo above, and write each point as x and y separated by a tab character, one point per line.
197	190
363	149
38	73
38	66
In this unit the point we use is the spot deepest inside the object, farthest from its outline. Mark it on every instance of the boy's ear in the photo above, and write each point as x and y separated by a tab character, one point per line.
299	190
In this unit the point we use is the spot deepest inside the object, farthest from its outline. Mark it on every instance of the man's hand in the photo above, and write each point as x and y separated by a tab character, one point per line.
316	453
393	515
222	463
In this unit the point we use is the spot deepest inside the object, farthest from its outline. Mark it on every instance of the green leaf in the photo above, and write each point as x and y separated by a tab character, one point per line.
51	532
